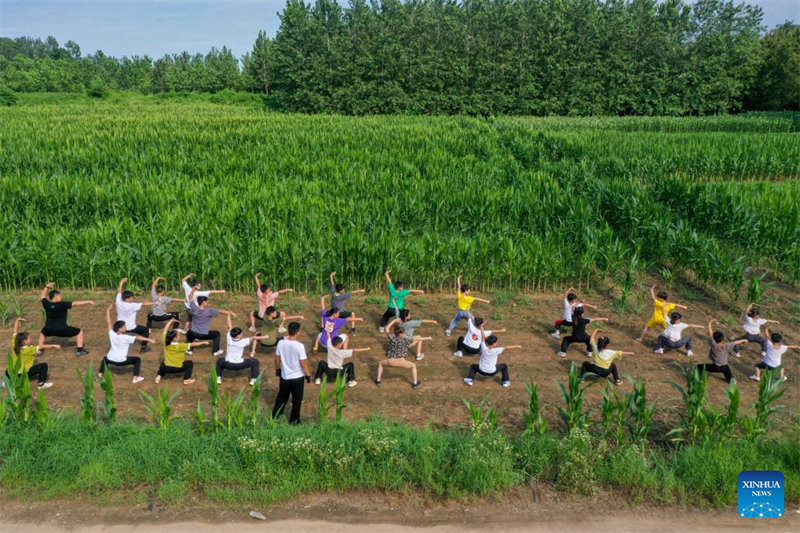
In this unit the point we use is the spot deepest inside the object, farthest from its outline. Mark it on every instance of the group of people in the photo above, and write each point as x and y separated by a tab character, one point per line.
336	327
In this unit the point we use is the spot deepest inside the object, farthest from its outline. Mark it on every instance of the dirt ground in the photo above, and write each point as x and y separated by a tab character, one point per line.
536	508
439	400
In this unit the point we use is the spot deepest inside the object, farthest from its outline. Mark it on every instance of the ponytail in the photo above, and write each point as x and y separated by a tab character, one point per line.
18	342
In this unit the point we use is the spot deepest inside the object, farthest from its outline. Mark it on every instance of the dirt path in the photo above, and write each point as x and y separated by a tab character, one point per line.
439	400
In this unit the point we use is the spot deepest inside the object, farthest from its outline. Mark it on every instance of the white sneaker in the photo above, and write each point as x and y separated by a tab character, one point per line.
733	381
458	354
561	354
252	382
763	354
556	335
137	379
158	379
447	333
588	354
689	353
251	329
737	354
420	356
506	384
381	329
189	352
317	381
218	353
282	329
468	381
181	331
45	385
219	380
351	383
658	350
755	378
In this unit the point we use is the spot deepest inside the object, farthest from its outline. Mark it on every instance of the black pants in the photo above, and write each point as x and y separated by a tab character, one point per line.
463	348
160	318
349	369
725	370
502	367
293	388
390	313
212	336
186	368
252	364
751	338
139	330
587	367
130	360
38	370
566	341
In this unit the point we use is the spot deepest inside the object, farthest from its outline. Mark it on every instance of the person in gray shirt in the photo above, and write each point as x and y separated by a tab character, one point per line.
719	353
408	325
339	297
202	314
161	302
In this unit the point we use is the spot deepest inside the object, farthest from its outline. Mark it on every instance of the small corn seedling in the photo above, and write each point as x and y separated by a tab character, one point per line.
108	405
160	409
253	407
88	407
18	391
535	424
339	389
641	413
235	410
323	407
770	389
483	419
572	414
612	412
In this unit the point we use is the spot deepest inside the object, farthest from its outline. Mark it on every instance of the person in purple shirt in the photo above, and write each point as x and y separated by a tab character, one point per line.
331	322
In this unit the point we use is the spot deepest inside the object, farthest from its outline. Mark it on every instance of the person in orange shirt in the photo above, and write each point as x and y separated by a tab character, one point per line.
464	304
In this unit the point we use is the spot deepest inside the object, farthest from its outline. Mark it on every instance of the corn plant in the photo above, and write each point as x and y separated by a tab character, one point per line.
323	407
42	414
108	406
160	409
756	288
483	419
253	407
200	418
213	399
18	391
235	410
339	389
573	414
535	424
88	407
697	417
641	413
612	414
770	389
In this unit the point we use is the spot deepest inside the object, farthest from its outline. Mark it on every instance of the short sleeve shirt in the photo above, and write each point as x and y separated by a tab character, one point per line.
398	347
291	353
118	351
55	313
488	361
126	311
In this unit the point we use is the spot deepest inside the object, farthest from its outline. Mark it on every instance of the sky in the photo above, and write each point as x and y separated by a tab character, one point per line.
158	27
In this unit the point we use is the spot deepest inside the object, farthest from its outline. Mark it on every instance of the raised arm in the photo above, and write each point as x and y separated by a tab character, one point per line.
569	290
230	322
333	275
711	323
388	279
392	323
483	334
394	304
191	294
458	283
768	332
749	308
155	282
121	285
109	324
47	289
185	279
322	302
258	280
653	292
593	337
16	325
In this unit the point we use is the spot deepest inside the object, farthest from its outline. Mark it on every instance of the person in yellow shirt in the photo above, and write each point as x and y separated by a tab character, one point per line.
661	308
602	359
465	300
23	353
175	354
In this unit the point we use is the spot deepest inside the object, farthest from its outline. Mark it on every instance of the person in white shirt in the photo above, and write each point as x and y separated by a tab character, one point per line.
291	364
118	352
673	337
571	302
126	312
335	365
752	327
772	356
234	358
189	283
471	342
488	365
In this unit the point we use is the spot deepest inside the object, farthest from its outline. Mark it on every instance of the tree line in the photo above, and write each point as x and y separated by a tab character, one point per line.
538	57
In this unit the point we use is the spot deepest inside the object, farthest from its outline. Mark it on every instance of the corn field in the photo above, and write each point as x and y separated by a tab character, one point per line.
92	192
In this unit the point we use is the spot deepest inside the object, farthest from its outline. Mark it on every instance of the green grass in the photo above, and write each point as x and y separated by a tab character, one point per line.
263	465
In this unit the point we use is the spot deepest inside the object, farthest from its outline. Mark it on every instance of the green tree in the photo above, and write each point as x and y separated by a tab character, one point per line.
777	86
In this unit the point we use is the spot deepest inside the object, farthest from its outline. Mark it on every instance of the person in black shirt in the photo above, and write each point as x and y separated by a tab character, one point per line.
579	324
55	310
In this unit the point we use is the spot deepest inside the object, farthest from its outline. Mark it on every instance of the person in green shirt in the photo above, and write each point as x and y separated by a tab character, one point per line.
397	296
23	354
175	354
273	323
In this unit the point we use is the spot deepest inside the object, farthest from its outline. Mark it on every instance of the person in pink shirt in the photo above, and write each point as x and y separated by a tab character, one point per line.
266	298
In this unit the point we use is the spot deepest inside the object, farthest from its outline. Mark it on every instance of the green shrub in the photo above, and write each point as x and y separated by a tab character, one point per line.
7	96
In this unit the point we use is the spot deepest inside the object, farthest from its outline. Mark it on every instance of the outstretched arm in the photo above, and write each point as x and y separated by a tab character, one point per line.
680	306
226	312
121	285
514	347
695	326
357	291
429	322
356	350
590	306
47	289
771	321
293	317
416	291
600	319
482	300
793	346
284	291
82	302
